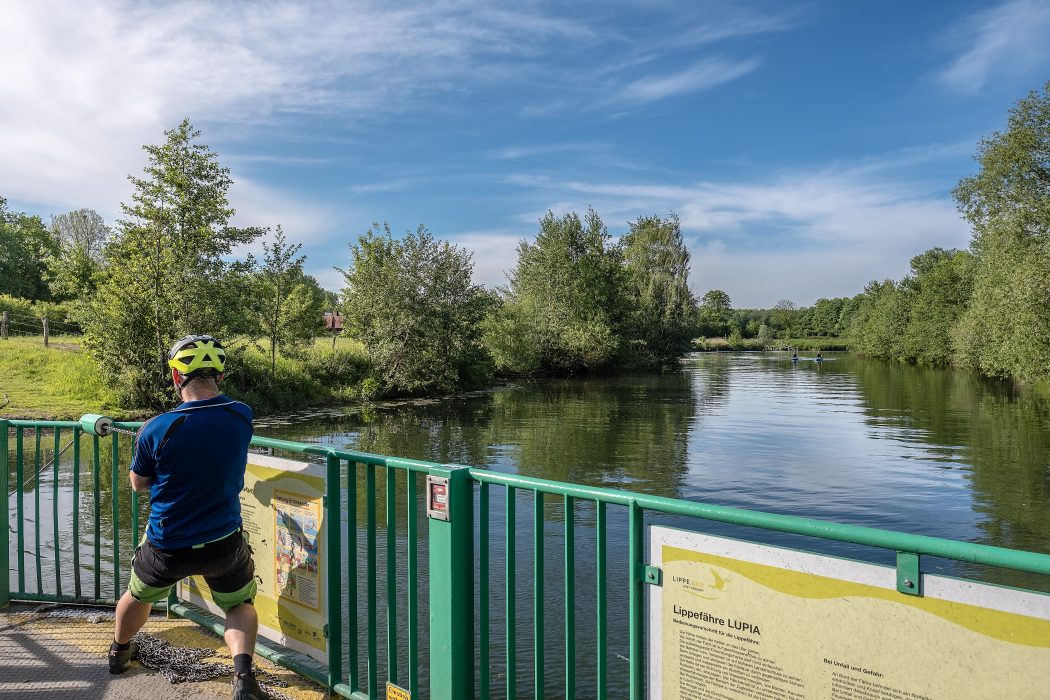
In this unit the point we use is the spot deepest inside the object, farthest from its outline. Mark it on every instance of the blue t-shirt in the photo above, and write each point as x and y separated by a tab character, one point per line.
196	456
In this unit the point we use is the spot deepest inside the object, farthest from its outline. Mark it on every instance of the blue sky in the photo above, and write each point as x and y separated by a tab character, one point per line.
806	147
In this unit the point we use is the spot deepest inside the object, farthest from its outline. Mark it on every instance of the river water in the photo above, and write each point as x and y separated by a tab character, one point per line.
850	440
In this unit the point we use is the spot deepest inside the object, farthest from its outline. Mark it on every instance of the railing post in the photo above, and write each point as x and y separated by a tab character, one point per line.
334	547
5	520
451	584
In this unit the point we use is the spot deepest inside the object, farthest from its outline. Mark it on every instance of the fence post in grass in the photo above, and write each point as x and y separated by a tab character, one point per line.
46	333
3	326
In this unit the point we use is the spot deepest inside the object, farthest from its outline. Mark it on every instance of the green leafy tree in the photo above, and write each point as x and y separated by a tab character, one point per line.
290	309
566	307
936	293
824	316
25	247
1005	328
412	303
716	310
784	317
878	325
167	268
657	263
74	270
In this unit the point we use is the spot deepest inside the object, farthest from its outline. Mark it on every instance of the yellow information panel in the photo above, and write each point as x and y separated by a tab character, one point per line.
283	514
739	621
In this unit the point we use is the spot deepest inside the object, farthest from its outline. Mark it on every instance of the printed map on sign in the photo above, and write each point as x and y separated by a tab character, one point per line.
282	508
296	521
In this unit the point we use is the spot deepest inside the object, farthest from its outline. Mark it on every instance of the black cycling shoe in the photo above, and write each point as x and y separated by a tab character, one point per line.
245	687
120	659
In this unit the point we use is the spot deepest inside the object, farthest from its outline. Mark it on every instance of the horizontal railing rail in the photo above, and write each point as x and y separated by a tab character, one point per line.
364	494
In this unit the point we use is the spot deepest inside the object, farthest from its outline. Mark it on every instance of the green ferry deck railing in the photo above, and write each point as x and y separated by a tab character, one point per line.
453	567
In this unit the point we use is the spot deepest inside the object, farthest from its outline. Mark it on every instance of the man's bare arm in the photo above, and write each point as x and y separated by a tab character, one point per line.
138	482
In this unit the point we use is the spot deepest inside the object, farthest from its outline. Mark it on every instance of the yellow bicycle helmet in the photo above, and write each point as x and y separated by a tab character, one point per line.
197	356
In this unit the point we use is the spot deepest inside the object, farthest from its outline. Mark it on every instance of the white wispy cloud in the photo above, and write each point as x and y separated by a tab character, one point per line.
801	234
516	152
86	83
1011	39
702	75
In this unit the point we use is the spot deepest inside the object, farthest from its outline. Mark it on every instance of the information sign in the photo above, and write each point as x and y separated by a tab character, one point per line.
735	620
283	514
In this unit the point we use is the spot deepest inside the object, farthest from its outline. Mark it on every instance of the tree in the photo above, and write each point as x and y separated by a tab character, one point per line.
657	264
783	317
25	247
716	310
290	309
566	307
73	271
413	304
936	293
1004	331
84	229
879	322
167	268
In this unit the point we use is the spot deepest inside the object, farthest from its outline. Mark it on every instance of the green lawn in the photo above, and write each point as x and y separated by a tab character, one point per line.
57	382
61	382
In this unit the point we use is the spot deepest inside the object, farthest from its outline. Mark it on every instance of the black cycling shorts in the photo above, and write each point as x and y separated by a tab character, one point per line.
225	564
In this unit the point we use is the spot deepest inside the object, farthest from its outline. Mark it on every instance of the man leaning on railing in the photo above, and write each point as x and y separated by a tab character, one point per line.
192	461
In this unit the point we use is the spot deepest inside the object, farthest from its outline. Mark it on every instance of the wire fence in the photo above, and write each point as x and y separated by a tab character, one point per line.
24	325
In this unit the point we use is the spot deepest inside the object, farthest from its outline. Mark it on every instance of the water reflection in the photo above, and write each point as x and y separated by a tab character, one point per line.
915	449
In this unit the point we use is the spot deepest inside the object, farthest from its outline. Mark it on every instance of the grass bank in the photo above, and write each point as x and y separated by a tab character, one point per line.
55	382
62	382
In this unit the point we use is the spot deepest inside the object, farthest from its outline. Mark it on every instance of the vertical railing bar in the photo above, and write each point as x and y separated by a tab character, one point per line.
115	500
352	577
413	588
5	514
601	631
96	475
637	629
391	574
570	600
370	490
511	651
20	507
537	600
483	588
54	510
333	550
76	512
36	510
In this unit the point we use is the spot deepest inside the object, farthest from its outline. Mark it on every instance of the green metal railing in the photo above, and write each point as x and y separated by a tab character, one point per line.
458	630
